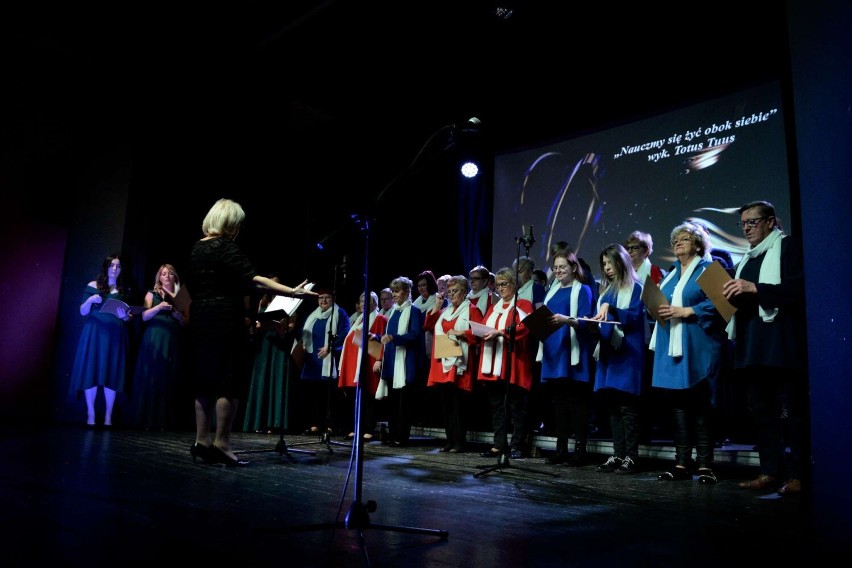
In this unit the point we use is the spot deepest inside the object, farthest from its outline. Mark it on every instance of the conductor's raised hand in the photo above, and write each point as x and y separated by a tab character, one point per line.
300	291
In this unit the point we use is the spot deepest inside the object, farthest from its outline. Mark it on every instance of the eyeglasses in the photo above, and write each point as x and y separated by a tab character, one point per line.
477	278
634	247
750	222
681	240
502	285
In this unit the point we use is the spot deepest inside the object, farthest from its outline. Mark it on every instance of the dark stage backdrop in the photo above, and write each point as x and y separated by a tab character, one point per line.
700	162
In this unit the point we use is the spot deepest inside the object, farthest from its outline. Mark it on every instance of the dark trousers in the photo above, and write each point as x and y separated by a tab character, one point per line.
571	407
693	411
317	401
349	408
776	405
624	423
452	402
517	403
399	414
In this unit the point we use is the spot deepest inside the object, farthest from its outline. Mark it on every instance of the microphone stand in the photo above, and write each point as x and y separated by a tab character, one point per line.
358	516
503	459
325	434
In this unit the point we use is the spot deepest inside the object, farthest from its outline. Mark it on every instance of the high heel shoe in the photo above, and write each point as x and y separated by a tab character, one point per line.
218	456
199	451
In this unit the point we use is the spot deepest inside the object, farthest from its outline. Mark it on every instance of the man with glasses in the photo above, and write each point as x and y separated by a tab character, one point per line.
768	291
480	295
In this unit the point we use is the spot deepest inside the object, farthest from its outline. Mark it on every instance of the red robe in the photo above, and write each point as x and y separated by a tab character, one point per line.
437	374
492	351
349	356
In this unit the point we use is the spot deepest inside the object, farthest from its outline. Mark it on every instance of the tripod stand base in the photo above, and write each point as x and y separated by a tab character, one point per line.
358	519
503	463
282	450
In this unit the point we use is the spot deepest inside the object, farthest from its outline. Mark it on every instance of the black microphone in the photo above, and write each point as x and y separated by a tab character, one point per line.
343	269
529	239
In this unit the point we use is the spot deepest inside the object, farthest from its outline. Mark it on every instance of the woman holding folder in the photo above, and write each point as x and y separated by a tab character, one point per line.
687	344
453	367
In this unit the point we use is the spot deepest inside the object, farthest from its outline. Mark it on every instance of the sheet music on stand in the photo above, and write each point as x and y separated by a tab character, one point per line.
282	307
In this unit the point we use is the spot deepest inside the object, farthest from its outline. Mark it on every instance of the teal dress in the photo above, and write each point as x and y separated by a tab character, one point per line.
102	349
159	371
272	378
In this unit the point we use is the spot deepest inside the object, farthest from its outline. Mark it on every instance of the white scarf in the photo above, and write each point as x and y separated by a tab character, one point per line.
676	324
308	339
645	270
492	351
770	272
526	291
622	302
461	322
425	304
356	328
573	308
475	298
400	351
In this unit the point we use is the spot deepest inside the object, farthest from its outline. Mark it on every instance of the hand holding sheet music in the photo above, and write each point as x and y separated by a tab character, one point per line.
120	309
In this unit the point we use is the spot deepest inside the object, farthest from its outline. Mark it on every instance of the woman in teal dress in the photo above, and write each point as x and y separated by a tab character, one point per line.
159	363
104	341
272	374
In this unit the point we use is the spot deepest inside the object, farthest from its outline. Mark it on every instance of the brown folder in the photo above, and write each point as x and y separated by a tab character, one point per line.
446	347
374	347
653	298
711	281
298	353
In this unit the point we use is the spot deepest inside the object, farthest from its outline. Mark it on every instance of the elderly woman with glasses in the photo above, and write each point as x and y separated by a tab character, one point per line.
502	362
452	374
687	347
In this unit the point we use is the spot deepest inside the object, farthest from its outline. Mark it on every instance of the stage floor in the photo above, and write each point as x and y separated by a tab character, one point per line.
128	498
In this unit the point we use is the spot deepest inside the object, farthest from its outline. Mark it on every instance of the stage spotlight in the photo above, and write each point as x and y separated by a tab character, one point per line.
469	169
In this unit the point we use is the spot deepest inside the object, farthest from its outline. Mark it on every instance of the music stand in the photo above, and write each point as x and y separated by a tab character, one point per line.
503	462
358	518
281	448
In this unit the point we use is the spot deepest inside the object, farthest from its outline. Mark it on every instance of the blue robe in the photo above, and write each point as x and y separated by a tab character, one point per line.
411	339
621	368
556	349
703	337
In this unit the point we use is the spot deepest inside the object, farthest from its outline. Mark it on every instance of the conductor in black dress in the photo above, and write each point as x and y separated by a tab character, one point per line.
222	276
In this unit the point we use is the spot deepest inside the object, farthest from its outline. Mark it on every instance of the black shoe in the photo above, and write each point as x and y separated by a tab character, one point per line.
577	459
627	467
706	476
610	465
218	456
492	453
203	452
516	454
446	448
676	474
557	458
457	449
